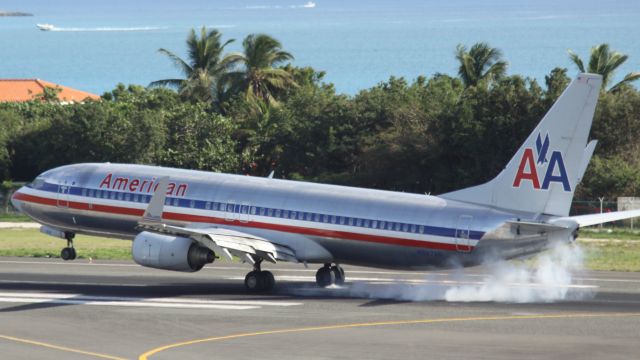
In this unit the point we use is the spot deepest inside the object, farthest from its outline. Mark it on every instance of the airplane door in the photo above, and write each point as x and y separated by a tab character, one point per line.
245	212
63	194
230	213
462	233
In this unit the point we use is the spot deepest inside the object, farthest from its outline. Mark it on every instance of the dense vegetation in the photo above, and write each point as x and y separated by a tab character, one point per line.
251	113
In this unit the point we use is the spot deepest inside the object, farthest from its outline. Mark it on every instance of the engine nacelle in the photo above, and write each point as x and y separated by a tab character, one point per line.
170	252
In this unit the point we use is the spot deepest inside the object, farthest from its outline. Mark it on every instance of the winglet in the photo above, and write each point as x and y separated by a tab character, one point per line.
156	205
586	158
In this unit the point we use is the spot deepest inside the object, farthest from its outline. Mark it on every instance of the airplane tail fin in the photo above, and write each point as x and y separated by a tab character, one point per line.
542	176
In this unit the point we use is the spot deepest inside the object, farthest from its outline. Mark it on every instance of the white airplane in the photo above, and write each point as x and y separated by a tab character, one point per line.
182	219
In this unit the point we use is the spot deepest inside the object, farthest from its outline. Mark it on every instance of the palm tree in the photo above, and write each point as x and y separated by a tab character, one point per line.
481	62
260	79
604	61
205	65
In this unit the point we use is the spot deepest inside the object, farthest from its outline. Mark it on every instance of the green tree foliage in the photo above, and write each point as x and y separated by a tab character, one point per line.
432	134
556	82
49	94
479	63
204	68
130	125
197	139
604	61
610	177
260	78
10	120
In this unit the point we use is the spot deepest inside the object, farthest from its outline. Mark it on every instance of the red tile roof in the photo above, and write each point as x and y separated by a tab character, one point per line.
17	90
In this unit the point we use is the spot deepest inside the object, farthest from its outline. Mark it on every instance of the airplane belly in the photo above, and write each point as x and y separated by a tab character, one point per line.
393	256
496	249
84	222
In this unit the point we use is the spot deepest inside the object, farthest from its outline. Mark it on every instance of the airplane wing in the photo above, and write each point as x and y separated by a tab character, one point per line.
226	242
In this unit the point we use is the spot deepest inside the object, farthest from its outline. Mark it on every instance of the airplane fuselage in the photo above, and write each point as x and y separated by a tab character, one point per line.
320	223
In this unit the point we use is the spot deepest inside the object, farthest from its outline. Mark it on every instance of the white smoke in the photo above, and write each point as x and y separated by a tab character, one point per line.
549	278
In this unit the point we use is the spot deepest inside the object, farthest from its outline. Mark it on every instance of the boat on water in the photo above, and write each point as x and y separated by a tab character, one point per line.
45	27
309	5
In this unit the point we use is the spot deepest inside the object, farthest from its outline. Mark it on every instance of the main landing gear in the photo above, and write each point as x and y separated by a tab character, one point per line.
68	253
330	275
259	280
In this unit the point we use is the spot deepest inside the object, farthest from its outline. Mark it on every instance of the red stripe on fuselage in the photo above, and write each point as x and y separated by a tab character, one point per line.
253	224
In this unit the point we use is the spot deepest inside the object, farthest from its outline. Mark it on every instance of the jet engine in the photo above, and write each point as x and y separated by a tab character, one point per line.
170	252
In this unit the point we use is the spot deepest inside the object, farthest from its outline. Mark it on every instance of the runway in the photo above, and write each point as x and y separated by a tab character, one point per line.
50	309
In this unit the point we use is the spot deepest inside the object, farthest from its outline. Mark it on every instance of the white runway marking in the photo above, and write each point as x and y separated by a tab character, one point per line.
178	303
102	283
19	225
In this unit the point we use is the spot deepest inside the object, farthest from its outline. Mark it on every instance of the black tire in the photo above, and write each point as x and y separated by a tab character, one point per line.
73	254
254	281
65	254
325	277
268	280
338	273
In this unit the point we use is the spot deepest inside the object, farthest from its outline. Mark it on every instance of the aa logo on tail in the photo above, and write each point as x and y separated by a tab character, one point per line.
534	163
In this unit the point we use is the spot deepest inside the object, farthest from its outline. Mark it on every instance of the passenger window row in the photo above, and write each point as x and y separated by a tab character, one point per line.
260	211
115	195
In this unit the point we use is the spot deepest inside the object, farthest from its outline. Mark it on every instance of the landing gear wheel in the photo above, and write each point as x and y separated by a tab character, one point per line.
253	281
68	253
325	276
269	280
338	272
259	281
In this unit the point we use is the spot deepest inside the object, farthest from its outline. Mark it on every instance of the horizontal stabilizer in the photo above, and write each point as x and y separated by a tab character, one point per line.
595	219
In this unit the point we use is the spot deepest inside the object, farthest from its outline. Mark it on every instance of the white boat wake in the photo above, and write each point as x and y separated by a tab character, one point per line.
139	28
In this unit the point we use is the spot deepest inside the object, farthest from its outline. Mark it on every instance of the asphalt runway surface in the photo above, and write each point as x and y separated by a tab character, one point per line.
50	309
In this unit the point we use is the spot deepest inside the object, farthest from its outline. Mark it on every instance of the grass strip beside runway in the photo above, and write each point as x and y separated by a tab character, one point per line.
33	243
601	254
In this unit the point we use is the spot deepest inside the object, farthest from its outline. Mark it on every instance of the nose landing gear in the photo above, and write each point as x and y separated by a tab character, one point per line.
330	275
68	253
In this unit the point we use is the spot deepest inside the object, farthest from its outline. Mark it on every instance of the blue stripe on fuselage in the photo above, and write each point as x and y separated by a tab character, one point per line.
245	209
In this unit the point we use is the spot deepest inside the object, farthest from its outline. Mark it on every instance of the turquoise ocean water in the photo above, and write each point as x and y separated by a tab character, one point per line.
358	43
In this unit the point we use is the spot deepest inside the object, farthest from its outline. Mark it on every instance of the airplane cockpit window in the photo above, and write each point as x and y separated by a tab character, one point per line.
38	183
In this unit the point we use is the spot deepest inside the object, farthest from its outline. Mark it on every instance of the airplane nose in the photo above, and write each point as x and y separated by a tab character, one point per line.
15	202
